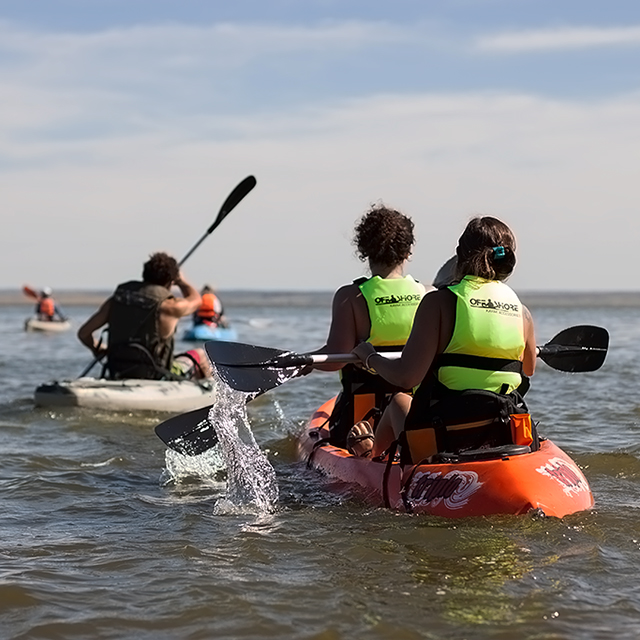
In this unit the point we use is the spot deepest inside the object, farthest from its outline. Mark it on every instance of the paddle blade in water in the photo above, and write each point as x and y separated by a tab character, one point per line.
576	349
190	433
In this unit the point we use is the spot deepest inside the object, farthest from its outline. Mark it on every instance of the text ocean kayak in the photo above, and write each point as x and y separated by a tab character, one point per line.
126	395
203	332
49	326
546	480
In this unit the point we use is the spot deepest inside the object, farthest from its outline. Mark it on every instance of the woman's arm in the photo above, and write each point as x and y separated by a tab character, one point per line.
347	307
530	349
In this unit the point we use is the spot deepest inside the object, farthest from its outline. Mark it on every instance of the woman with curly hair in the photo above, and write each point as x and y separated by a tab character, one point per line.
472	335
378	309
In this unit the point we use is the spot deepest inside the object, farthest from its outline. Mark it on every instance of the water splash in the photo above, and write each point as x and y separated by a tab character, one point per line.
236	458
208	466
251	480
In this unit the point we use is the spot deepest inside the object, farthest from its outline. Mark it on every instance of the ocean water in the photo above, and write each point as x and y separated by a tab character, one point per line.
99	540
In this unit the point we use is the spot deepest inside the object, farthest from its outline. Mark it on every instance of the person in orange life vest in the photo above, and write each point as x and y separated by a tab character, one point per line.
210	311
46	308
146	314
379	309
443	324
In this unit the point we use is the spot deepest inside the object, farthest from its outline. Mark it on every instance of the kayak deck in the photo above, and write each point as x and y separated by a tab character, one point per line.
47	326
203	332
513	483
126	395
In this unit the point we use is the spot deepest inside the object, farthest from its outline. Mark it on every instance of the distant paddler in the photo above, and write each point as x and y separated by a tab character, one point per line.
142	317
210	312
46	309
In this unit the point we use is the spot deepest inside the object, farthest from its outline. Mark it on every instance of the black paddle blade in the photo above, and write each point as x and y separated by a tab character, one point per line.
190	433
576	349
253	369
233	199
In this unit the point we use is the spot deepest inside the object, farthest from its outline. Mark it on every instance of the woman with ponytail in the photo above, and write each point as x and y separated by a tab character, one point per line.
472	335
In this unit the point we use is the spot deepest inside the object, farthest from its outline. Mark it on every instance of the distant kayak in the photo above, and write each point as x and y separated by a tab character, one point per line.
204	332
126	395
49	326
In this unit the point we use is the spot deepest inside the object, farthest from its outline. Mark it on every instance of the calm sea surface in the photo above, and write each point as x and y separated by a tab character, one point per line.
97	544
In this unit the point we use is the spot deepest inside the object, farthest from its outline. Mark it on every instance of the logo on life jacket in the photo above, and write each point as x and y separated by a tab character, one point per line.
497	306
401	299
454	489
566	474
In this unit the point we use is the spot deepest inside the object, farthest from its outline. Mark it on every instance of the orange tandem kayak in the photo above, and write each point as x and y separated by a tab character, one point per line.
512	482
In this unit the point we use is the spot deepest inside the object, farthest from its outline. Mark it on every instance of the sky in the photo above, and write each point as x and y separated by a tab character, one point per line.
125	124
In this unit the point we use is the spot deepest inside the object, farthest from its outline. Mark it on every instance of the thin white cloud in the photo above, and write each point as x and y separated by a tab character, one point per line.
558	39
115	80
229	38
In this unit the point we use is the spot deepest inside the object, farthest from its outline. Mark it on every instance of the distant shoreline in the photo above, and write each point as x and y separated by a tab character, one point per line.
71	298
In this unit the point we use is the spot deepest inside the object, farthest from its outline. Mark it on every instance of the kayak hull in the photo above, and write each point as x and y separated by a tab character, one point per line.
546	480
203	332
126	395
46	326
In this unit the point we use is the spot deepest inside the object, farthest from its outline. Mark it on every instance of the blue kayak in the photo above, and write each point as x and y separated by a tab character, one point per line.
204	332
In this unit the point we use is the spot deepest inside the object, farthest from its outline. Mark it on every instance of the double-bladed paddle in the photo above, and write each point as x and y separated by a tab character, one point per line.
200	436
576	349
254	369
231	202
29	292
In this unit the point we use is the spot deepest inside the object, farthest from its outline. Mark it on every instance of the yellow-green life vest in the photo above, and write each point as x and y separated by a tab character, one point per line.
489	328
392	305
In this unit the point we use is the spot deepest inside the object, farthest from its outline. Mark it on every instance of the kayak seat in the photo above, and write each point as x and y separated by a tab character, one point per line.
493	453
133	360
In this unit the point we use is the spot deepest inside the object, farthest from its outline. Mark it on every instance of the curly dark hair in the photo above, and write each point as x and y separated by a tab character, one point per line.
384	236
160	269
475	251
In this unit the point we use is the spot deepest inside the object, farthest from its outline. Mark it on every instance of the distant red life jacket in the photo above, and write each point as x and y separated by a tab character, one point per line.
210	308
47	307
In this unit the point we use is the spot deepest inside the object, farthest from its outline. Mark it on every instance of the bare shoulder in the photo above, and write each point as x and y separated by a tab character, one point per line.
349	291
178	307
437	299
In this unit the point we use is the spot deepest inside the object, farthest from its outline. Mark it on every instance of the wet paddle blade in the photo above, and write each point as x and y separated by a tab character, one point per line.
253	369
576	349
190	433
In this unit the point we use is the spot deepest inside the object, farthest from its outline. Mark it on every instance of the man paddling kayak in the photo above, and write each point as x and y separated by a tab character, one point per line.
142	318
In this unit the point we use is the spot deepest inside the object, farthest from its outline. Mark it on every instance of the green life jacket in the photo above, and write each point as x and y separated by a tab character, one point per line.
488	338
133	330
392	305
465	400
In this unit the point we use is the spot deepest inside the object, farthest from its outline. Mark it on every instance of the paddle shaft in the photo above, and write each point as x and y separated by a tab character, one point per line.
314	359
188	433
232	200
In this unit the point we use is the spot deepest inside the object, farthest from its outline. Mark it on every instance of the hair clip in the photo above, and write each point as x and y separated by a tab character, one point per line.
498	253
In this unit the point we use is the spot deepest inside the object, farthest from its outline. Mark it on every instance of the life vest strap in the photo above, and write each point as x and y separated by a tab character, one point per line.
479	362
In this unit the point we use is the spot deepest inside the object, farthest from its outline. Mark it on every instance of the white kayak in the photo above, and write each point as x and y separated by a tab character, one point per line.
49	326
126	395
